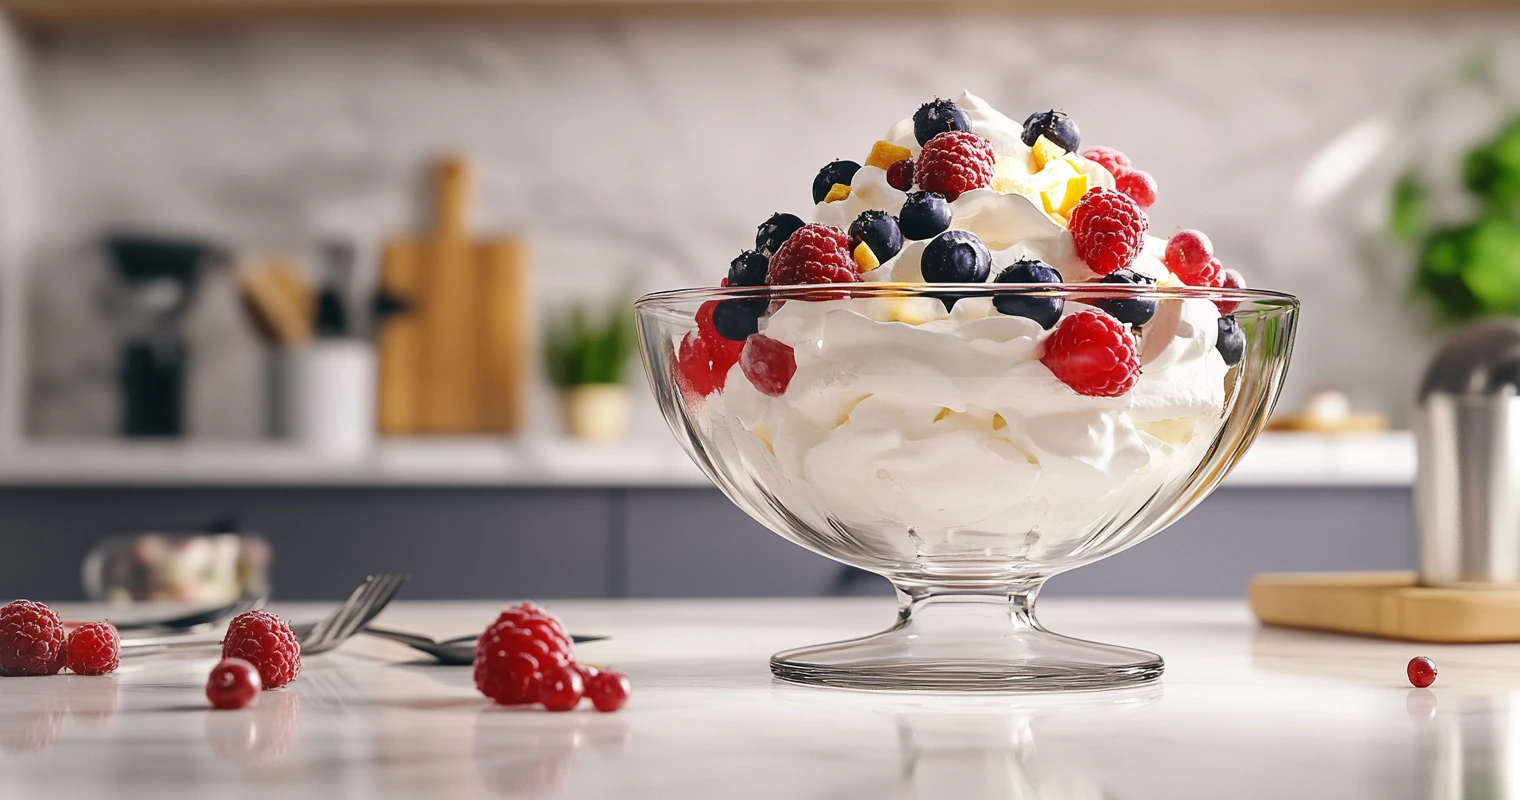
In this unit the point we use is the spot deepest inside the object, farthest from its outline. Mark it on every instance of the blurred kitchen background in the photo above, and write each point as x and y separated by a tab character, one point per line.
217	218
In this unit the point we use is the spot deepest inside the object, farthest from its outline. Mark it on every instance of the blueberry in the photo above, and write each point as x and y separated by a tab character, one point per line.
1055	126
1044	310
738	318
832	173
879	231
932	119
748	269
956	257
925	215
774	231
1134	310
1232	341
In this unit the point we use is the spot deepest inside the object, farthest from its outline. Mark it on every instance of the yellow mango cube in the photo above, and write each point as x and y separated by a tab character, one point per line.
838	191
885	154
1044	152
865	260
1076	188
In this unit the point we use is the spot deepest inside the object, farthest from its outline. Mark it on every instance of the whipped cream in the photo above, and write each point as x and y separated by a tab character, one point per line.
901	410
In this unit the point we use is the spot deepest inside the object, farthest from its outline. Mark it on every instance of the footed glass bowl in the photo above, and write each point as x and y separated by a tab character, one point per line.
940	436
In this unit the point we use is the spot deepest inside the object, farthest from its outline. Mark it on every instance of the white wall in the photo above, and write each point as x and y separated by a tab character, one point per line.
655	145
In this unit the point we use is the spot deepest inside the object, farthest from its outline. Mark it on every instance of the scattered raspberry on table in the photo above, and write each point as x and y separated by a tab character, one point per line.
31	639
513	654
525	657
264	640
93	648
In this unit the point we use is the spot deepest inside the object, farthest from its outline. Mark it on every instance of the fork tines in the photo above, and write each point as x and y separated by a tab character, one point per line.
363	605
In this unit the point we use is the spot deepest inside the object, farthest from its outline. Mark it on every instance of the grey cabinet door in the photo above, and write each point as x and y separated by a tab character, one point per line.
455	543
695	543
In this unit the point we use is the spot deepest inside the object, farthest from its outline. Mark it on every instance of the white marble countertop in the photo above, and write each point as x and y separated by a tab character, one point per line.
1241	713
1277	459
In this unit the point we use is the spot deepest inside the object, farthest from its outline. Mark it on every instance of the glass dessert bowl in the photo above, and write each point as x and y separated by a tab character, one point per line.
967	442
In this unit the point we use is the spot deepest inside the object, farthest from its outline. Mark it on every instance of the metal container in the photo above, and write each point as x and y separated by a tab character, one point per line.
1467	487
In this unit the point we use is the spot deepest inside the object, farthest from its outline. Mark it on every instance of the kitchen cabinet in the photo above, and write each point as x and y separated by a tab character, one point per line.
616	541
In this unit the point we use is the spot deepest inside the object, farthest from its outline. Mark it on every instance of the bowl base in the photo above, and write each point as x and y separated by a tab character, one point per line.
962	647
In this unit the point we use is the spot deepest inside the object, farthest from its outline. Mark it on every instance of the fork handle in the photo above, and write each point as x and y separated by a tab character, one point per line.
149	648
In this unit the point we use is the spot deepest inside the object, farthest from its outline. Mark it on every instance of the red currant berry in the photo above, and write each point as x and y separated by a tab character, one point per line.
608	691
900	175
1188	256
587	672
234	683
1422	671
562	688
1230	279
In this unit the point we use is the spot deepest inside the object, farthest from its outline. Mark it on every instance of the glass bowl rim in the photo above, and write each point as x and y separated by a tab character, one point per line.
667	299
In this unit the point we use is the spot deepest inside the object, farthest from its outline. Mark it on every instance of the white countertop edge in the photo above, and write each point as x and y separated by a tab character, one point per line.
1276	460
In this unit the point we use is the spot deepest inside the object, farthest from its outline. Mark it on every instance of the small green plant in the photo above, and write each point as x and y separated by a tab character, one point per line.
584	348
1468	269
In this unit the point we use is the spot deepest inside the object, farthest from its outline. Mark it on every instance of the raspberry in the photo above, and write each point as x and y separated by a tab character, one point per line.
900	175
954	162
514	654
608	691
562	688
1108	229
1190	256
1109	158
768	364
93	649
705	357
233	683
1229	279
1139	185
815	254
264	640
1093	353
31	639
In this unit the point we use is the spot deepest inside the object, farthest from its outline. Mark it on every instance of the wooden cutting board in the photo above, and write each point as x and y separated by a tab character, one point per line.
457	360
1387	604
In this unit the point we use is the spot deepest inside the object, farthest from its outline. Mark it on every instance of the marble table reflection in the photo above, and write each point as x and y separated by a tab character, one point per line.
1241	713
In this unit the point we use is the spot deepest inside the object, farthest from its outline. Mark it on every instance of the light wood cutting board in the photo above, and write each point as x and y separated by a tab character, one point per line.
1387	604
457	361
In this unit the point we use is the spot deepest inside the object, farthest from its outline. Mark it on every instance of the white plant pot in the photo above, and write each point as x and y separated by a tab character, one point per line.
597	412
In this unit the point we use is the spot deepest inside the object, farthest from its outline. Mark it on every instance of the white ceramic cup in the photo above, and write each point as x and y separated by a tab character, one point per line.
325	398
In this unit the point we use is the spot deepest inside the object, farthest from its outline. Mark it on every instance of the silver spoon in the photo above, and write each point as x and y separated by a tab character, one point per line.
458	651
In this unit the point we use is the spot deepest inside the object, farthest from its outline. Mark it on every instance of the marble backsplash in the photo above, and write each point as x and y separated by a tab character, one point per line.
651	146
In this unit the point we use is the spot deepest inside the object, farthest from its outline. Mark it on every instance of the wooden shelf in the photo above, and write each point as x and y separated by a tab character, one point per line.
91	13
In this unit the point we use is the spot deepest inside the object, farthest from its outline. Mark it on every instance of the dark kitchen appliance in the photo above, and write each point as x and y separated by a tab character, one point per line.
157	278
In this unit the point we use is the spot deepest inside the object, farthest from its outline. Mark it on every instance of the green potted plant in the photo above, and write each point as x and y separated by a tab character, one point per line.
1467	264
587	355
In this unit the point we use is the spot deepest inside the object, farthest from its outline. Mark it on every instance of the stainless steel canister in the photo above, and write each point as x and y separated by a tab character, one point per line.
1467	486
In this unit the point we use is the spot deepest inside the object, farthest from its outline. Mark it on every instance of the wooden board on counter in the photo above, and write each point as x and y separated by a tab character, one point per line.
1391	605
457	360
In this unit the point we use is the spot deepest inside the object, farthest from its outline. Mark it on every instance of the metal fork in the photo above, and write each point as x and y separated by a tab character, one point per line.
363	605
